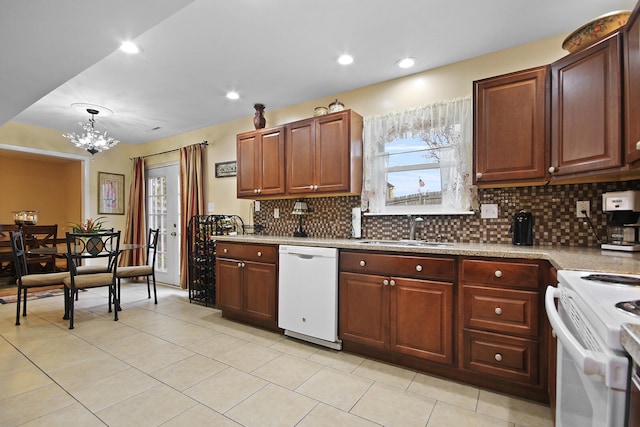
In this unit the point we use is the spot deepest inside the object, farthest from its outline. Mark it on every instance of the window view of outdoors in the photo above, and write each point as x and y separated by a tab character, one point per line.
412	173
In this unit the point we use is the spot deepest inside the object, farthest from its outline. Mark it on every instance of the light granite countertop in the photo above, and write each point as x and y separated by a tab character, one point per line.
630	340
562	258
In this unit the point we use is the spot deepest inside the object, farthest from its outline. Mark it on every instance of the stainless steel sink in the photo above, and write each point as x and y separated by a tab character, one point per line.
405	243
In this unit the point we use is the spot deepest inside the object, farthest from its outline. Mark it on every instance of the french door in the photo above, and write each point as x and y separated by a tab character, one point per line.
163	212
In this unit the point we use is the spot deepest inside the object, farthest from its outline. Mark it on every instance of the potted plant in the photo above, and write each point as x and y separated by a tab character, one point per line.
89	226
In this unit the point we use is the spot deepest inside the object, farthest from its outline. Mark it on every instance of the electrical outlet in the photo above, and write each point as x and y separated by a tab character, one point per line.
276	213
583	205
488	210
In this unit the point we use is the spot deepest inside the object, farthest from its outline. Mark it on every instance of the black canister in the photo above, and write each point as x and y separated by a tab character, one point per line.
522	229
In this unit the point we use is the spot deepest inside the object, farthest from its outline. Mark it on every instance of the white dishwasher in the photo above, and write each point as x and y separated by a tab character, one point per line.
308	294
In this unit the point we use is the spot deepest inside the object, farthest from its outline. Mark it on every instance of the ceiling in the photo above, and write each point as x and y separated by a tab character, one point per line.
276	52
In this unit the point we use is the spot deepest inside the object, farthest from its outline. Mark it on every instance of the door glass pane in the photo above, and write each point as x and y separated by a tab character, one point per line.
157	217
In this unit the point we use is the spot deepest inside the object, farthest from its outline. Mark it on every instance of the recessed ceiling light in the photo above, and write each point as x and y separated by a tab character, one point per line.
233	95
130	47
406	62
345	59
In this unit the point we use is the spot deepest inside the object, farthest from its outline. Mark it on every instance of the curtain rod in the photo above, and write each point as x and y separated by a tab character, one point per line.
203	144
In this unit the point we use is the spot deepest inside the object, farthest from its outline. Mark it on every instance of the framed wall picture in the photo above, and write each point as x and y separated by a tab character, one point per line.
225	169
110	193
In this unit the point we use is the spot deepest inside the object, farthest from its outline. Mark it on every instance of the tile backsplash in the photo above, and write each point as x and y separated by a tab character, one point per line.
553	208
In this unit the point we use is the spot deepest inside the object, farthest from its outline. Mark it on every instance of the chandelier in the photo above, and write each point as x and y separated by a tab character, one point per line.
91	140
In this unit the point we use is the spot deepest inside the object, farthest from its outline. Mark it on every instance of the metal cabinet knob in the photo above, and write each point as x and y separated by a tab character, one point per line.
498	311
638	145
498	273
239	265
311	187
552	169
259	253
315	188
479	175
498	357
225	250
392	282
418	267
259	190
255	191
362	263
385	282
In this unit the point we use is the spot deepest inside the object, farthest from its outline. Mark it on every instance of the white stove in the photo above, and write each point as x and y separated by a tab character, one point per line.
597	298
593	370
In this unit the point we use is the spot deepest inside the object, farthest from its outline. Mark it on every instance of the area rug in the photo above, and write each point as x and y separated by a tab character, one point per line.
32	295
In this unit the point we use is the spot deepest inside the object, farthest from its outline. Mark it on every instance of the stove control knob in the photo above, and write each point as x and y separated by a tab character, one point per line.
498	311
498	357
498	273
362	263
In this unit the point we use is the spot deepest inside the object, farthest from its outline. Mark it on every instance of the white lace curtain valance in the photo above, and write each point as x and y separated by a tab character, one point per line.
455	161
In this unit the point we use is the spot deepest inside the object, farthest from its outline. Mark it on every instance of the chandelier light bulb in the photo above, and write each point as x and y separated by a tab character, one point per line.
92	140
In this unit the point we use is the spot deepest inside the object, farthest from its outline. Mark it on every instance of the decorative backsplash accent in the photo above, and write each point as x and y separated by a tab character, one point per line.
553	208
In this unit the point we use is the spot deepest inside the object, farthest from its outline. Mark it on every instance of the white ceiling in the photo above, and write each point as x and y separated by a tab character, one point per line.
277	52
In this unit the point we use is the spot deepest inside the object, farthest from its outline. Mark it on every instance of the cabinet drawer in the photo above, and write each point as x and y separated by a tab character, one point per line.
398	265
501	310
247	252
515	274
501	356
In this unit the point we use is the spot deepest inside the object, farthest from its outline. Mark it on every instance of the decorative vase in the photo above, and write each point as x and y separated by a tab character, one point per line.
258	120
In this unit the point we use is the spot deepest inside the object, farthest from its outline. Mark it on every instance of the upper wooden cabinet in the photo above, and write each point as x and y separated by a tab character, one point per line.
586	110
324	154
510	137
632	88
260	169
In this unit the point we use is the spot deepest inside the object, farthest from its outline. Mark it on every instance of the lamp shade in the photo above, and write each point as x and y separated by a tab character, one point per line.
300	208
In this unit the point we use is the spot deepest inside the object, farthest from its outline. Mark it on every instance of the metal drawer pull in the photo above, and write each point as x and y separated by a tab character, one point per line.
259	253
392	283
498	357
385	282
362	263
498	273
225	250
498	311
418	267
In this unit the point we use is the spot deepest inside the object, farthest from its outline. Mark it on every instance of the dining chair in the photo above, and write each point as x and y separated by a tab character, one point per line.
24	280
148	270
40	236
91	246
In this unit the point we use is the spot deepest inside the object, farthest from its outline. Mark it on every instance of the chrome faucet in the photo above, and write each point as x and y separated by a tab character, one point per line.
414	222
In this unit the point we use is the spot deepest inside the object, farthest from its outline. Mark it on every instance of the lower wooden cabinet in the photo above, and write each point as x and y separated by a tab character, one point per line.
501	335
391	313
247	283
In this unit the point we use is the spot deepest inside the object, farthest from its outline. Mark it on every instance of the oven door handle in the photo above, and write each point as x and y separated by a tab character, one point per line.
589	362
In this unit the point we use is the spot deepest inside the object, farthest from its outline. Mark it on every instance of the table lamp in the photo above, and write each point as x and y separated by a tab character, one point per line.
300	208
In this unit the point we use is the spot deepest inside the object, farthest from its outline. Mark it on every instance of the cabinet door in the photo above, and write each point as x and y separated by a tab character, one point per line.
300	153
260	291
510	142
248	166
229	289
363	309
271	162
421	319
586	109
260	169
332	153
632	88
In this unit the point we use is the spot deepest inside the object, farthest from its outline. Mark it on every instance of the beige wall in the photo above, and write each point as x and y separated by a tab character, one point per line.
451	81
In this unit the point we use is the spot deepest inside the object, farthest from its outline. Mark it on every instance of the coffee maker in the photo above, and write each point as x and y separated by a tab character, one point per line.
623	210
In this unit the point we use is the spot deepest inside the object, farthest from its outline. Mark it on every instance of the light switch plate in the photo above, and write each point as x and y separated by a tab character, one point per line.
489	210
210	207
276	213
256	206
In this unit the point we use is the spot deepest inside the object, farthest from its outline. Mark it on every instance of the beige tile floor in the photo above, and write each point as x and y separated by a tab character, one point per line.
181	364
